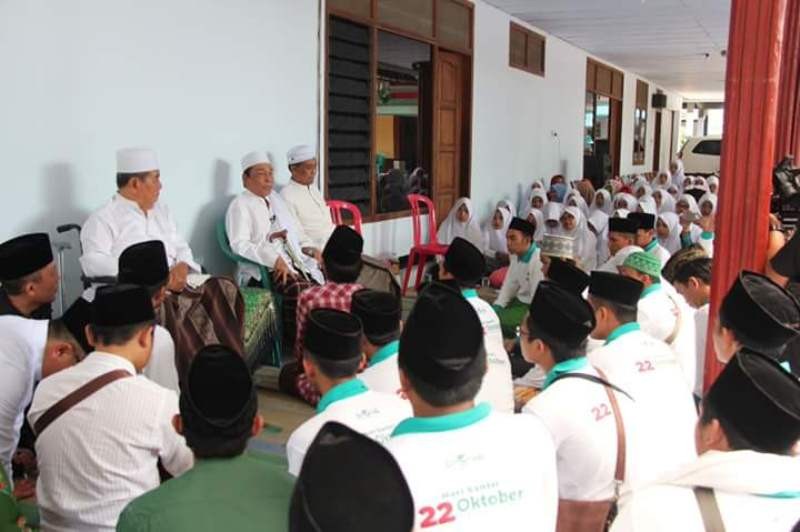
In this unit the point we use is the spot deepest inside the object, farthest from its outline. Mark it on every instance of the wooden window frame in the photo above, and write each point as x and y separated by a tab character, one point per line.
527	66
375	25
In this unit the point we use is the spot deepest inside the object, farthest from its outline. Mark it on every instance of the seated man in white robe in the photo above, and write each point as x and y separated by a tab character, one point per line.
645	368
331	361
304	199
662	315
463	461
745	477
135	215
374	497
646	236
262	229
464	265
621	242
145	265
380	314
693	282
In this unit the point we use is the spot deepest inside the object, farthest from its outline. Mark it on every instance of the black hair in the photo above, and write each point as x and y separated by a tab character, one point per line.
624	313
679	258
124	178
57	330
444	397
120	335
15	287
736	440
342	273
335	369
560	350
699	268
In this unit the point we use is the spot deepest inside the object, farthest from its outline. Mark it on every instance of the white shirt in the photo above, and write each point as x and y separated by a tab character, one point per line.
581	421
373	414
22	344
498	385
659	313
249	222
615	261
161	367
382	374
120	224
479	471
309	208
701	336
102	453
646	368
521	280
659	251
743	483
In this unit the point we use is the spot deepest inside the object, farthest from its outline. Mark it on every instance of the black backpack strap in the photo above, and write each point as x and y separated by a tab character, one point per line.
592	378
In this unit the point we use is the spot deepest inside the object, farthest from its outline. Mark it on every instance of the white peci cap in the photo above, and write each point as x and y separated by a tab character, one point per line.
253	158
301	154
136	160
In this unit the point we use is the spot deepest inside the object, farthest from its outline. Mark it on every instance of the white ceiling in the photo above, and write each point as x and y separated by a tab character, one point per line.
665	41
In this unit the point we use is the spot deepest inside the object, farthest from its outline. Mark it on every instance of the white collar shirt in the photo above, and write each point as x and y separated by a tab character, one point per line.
701	337
521	280
382	374
22	343
373	414
102	453
120	224
647	369
478	470
310	209
754	491
161	367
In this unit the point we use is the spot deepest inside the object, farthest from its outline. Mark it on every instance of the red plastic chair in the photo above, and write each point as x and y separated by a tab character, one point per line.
337	207
420	252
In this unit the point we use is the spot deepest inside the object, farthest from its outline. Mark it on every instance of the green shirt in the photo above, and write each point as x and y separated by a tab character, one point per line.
249	492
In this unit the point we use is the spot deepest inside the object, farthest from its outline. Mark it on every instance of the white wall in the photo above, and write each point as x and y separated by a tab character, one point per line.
204	81
201	81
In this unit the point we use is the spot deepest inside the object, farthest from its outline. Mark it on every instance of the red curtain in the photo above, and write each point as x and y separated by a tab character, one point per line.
754	54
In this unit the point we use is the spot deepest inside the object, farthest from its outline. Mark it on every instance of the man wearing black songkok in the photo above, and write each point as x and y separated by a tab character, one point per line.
745	477
228	487
29	276
462	460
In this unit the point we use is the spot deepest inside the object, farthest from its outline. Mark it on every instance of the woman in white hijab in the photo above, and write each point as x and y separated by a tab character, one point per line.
504	203
620	213
598	224
713	184
668	230
574	199
708	204
573	225
664	201
623	200
689	212
537	200
700	183
662	180
602	202
494	234
674	191
552	218
461	222
536	217
647	204
676	172
642	189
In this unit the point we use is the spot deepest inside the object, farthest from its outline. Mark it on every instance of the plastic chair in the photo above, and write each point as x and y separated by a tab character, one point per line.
266	283
337	207
420	252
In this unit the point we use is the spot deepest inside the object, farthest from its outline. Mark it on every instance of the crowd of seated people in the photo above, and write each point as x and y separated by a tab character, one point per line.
125	414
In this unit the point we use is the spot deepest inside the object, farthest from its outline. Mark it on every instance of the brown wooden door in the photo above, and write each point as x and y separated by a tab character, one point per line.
449	106
657	144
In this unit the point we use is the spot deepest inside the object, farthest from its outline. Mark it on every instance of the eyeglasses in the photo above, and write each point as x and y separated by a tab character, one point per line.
521	332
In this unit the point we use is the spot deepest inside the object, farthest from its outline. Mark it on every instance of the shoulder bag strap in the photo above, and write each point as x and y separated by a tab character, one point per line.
58	409
709	509
619	472
596	380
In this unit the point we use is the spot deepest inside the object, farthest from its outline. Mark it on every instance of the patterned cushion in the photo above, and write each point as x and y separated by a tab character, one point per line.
260	325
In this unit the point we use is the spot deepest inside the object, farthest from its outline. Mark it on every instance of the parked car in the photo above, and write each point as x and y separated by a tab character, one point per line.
701	155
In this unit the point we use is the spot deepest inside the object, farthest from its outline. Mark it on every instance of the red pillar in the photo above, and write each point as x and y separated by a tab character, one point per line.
788	133
748	149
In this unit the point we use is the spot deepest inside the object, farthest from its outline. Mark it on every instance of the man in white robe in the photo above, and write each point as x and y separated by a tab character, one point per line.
304	199
745	477
621	242
693	282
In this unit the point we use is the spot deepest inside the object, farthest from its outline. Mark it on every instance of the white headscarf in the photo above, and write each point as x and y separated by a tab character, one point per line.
527	195
538	221
585	241
644	187
713	180
538	193
496	238
711	198
452	228
667	202
608	205
629	201
700	182
576	198
673	242
662	180
693	207
599	220
647	204
620	213
677	177
552	212
508	206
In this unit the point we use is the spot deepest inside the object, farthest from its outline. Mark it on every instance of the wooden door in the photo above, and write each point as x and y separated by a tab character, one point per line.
449	147
657	143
